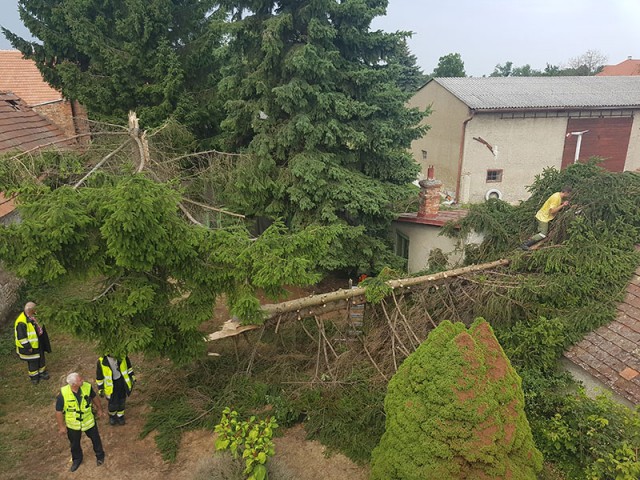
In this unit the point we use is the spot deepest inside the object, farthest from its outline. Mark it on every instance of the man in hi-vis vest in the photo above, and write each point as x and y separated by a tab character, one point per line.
32	342
115	380
74	416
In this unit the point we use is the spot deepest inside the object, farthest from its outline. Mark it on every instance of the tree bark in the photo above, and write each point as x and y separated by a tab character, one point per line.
327	302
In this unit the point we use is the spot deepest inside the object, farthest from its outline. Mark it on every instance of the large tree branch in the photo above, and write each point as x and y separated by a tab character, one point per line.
98	165
208	207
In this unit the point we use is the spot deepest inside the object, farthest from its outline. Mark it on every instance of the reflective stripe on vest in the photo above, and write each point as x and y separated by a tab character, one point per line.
108	375
32	335
78	417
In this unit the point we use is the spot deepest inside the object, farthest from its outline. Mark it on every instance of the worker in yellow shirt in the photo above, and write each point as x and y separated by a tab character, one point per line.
548	212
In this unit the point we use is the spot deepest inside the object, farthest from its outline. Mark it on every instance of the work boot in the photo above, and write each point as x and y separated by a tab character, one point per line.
112	419
44	375
75	465
121	420
528	244
99	461
35	380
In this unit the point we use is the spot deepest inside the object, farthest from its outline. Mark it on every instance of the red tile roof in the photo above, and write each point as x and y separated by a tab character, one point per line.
628	67
21	128
438	220
612	352
23	78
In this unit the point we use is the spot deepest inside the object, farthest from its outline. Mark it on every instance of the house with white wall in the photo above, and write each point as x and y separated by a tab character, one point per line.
417	234
492	136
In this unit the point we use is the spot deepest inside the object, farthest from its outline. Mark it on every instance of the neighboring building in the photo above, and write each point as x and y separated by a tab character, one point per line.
492	136
628	67
609	357
21	129
416	235
21	77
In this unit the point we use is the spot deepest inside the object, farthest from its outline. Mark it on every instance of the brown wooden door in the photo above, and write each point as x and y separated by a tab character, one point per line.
608	137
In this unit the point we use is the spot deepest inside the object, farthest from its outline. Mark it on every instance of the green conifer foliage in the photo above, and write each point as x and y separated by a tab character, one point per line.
153	56
455	409
317	97
116	262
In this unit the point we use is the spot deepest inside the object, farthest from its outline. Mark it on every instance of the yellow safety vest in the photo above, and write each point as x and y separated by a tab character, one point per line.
32	338
108	375
78	417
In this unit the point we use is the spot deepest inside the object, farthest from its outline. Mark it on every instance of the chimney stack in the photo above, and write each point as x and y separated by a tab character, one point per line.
429	195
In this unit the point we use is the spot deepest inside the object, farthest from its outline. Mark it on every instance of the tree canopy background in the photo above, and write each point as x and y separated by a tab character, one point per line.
308	89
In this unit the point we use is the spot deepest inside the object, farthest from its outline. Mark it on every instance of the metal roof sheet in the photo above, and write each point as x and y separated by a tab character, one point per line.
496	93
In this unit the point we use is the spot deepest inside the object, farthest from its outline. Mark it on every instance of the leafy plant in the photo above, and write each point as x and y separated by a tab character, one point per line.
251	439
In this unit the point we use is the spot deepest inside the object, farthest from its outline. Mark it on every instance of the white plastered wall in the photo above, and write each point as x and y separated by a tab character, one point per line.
442	140
423	239
633	153
522	149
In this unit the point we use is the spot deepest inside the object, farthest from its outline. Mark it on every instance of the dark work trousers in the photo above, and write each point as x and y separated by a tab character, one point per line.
118	398
76	449
36	366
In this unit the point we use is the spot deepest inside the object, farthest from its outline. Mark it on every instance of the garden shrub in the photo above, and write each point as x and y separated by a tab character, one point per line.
591	438
455	409
251	440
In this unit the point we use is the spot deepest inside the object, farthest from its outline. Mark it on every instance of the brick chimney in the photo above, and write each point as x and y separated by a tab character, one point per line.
429	195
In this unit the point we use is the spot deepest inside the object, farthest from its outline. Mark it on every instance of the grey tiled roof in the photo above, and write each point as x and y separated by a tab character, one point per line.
544	92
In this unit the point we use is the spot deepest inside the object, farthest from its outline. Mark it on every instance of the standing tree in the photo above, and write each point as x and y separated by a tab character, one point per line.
502	70
410	77
450	65
153	56
589	63
316	97
455	409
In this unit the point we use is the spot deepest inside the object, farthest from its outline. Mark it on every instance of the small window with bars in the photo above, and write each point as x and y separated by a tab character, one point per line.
494	176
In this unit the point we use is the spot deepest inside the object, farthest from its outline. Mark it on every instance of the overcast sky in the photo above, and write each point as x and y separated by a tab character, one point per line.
488	32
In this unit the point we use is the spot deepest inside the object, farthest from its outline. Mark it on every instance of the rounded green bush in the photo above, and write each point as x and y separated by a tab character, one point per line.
455	410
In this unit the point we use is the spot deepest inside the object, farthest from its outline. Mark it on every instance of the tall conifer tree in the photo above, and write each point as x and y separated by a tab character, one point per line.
153	56
316	96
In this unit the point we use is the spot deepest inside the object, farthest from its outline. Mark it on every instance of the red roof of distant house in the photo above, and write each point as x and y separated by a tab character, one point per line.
628	67
23	78
21	128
